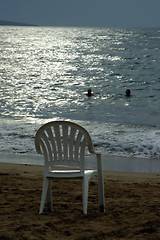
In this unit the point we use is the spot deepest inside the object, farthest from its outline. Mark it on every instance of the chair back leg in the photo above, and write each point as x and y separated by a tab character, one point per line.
100	184
49	197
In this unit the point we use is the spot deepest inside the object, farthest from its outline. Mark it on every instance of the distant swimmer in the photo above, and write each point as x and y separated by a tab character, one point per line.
89	94
128	93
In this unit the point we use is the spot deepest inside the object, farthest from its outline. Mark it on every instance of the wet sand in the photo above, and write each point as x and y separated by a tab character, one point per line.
132	208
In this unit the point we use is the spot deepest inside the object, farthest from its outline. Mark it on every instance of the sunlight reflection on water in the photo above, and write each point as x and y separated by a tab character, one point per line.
45	73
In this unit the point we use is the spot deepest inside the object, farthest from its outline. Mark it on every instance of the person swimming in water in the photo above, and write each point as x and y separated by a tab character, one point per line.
128	93
89	94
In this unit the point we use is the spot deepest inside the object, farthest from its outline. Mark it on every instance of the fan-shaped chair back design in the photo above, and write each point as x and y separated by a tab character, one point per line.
63	143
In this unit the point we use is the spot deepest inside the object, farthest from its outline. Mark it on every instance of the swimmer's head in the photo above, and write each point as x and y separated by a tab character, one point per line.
128	92
89	91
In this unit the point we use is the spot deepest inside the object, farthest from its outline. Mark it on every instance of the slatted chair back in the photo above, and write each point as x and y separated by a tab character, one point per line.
63	143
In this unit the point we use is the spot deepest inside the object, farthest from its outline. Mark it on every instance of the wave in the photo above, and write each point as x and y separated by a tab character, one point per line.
114	139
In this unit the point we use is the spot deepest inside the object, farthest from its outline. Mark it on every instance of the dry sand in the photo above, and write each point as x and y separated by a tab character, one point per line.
132	208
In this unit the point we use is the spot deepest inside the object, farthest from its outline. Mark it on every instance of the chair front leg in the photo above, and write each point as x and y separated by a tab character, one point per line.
85	182
44	194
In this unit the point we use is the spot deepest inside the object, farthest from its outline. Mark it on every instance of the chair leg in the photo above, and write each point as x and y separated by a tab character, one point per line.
49	197
44	194
101	194
85	183
100	184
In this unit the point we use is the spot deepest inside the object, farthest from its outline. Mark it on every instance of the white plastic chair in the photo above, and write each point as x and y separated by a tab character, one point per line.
63	144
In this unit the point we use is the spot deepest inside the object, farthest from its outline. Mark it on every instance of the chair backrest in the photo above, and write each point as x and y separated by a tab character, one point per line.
63	143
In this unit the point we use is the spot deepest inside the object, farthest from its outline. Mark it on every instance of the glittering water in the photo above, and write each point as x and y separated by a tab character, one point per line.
45	73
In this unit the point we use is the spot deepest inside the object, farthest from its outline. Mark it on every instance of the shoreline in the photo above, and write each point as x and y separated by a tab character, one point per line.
109	162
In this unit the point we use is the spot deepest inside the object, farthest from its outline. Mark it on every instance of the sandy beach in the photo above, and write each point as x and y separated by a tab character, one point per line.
132	208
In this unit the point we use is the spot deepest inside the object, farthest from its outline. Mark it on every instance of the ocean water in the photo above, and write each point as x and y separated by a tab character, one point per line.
46	71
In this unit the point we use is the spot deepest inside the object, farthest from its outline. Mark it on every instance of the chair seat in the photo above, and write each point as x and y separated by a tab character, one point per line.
70	173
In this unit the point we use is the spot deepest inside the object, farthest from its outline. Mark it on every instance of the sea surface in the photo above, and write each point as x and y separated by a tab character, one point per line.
46	71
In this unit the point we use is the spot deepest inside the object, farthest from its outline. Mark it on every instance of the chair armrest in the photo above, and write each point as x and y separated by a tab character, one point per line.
99	161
